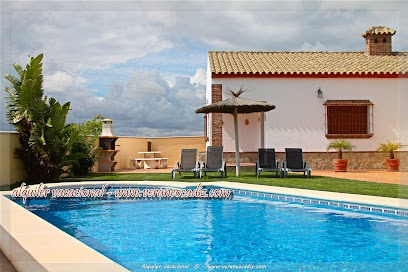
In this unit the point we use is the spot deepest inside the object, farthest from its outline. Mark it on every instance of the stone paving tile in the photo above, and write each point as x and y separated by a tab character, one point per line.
382	176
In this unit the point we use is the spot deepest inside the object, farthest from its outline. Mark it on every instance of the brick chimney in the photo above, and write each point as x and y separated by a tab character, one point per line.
378	41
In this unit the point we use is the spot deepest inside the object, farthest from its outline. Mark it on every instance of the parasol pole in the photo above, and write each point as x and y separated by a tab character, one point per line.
236	142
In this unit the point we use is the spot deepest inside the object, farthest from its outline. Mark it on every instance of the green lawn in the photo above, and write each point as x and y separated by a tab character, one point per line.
292	181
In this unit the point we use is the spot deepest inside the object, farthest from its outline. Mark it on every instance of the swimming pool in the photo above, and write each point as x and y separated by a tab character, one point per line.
251	231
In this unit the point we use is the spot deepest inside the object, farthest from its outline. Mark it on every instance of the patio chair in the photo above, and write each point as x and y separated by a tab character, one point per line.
294	162
214	161
188	163
267	162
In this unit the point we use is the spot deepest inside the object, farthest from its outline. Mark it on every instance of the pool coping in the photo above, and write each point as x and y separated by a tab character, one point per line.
32	244
43	247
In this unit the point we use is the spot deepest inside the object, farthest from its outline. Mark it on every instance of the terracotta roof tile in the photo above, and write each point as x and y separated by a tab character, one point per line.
306	63
375	30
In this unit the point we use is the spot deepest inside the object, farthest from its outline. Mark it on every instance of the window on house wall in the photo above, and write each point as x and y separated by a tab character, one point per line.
349	119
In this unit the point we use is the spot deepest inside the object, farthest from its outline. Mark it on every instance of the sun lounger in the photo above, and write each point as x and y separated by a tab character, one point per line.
214	161
294	162
267	162
188	163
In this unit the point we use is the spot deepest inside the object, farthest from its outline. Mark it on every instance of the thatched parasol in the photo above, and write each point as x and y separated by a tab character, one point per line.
235	105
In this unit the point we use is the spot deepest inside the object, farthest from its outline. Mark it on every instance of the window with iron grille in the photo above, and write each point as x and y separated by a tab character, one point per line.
349	118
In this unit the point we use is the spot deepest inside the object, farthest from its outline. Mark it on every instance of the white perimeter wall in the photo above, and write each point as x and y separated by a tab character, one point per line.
299	117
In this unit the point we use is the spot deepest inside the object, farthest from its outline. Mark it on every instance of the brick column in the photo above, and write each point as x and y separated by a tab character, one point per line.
216	123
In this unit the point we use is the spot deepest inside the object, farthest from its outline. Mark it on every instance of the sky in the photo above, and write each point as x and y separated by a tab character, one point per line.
143	64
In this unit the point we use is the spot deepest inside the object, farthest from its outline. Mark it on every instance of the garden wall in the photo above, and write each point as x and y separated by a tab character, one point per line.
323	160
170	148
12	168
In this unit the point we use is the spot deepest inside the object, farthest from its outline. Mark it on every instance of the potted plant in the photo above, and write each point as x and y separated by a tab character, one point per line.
392	163
340	164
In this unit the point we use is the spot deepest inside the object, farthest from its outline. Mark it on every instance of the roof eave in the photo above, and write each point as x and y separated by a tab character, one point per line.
311	75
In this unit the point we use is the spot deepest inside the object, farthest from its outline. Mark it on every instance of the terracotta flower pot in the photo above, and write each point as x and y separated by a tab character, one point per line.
392	164
340	165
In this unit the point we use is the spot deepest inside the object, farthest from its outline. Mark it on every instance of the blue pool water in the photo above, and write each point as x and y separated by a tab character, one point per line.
245	233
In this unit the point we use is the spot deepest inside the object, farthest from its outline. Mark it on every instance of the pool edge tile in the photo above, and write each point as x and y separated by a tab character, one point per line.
26	254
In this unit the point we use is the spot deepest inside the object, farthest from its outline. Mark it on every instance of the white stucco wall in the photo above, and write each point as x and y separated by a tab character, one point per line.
299	117
249	132
403	112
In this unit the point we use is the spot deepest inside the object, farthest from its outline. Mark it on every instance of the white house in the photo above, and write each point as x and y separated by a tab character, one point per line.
319	96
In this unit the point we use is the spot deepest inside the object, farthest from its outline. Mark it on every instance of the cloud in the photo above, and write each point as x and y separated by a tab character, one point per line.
145	106
143	63
59	81
200	77
143	85
82	38
316	47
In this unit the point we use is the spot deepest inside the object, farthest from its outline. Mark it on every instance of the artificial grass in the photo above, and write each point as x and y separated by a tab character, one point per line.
292	181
